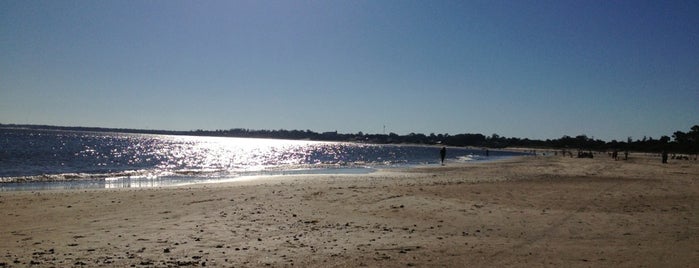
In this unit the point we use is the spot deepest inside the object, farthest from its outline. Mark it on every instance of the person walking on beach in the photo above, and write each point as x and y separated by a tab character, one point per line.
443	154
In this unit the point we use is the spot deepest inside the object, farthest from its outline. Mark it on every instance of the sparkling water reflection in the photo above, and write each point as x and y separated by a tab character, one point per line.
116	160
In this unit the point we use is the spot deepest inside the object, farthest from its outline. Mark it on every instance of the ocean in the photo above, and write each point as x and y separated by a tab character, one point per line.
52	159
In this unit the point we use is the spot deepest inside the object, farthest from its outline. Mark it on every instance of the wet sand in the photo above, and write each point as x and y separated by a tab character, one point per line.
528	211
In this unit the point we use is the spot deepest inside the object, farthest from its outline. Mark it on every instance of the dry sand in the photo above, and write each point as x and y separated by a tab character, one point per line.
529	211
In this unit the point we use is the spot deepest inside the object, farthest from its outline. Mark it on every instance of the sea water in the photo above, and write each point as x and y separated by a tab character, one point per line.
51	159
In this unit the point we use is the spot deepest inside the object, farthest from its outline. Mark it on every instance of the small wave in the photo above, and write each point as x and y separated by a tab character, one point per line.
467	158
47	177
68	177
202	172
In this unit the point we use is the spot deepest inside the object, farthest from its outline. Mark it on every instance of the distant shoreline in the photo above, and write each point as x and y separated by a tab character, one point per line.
684	143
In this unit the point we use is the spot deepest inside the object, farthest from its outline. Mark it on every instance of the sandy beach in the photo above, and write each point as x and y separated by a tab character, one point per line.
522	212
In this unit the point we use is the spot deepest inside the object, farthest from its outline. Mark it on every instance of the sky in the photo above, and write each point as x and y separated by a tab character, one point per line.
528	69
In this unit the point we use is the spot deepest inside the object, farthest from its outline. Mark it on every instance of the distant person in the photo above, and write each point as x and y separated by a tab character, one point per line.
487	153
664	157
443	154
626	155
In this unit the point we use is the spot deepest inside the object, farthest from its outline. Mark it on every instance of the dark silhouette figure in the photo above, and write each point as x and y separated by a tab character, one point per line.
487	153
443	154
626	155
664	157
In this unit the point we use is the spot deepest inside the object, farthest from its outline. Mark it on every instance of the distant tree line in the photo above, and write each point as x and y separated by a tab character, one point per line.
680	142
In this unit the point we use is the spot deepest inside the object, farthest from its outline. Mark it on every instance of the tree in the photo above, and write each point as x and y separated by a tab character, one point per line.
687	142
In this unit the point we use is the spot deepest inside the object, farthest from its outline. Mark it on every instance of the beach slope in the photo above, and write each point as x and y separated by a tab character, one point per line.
527	211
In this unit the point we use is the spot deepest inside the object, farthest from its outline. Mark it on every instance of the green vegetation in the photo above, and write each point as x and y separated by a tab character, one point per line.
681	142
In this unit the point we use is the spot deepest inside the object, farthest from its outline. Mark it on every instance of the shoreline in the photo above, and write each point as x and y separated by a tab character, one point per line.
527	211
105	181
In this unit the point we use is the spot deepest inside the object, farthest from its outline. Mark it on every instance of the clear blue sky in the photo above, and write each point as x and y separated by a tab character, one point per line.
534	69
